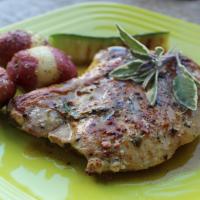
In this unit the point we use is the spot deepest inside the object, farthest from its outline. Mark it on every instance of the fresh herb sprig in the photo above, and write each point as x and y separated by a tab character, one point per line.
145	67
185	86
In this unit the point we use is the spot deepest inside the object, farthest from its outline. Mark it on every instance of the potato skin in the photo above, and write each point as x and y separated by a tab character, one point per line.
14	41
62	60
39	67
21	70
7	87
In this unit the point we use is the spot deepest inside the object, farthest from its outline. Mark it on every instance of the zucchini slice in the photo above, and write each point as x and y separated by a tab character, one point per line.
83	48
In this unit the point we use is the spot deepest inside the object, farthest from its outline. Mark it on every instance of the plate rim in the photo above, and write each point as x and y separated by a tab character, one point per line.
57	10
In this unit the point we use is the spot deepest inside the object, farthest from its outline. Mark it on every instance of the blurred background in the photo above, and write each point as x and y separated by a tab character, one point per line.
12	10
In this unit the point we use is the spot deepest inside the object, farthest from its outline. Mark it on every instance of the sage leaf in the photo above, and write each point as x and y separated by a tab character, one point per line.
137	79
159	51
140	77
152	92
66	107
185	91
141	56
132	43
148	79
127	70
185	70
145	70
192	77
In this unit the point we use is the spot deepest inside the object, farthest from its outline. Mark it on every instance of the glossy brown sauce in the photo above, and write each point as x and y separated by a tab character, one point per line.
185	159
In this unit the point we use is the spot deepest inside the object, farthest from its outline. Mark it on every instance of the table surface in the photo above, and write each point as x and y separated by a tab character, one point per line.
13	11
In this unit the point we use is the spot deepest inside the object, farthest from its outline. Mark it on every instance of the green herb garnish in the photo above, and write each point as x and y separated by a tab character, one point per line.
153	90
185	91
136	47
68	109
145	67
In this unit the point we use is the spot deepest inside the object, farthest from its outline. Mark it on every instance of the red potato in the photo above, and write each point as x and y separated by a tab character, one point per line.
14	41
40	66
7	87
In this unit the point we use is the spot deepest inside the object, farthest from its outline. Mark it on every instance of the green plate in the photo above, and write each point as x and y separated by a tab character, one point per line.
31	168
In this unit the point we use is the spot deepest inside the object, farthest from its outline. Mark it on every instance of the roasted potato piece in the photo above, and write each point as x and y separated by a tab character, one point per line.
7	87
14	41
40	66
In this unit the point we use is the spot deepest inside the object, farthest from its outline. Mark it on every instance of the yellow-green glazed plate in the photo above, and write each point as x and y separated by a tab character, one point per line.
31	168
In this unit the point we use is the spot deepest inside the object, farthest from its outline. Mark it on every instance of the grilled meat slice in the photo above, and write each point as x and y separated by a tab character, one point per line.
110	122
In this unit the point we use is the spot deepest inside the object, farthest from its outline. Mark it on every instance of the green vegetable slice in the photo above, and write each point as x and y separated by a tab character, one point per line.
82	48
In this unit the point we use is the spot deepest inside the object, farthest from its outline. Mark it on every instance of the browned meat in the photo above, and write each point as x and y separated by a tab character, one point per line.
110	122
